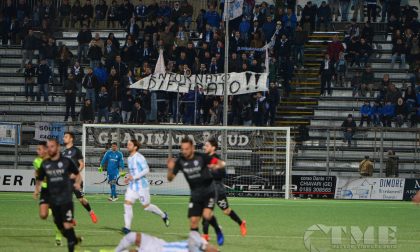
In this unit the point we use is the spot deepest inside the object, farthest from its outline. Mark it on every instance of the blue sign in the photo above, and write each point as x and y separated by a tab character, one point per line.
10	133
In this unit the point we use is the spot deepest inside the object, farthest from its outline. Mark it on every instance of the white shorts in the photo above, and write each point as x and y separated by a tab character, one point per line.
143	196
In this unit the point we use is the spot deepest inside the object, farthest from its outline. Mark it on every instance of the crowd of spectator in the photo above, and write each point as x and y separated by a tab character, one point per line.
114	64
386	101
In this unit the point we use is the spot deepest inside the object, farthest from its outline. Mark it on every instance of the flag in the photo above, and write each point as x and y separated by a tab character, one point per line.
267	60
235	9
160	64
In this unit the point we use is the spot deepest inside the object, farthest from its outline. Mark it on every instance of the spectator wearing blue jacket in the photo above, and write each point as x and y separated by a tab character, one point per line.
114	161
365	114
212	17
376	111
388	113
244	28
290	21
269	28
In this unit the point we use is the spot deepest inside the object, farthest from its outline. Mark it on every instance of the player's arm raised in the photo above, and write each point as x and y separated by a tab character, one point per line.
171	166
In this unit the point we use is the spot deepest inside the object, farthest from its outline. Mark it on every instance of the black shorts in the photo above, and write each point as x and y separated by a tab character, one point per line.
221	197
197	205
43	196
79	193
63	213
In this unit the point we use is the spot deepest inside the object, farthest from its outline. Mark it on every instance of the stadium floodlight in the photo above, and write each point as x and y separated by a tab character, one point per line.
258	158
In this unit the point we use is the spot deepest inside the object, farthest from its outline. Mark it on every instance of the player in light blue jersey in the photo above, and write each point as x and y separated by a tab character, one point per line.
148	243
138	187
115	161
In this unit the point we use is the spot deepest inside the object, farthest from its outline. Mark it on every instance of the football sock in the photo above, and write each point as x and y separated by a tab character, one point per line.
205	226
128	215
235	217
214	224
71	238
156	210
114	190
86	205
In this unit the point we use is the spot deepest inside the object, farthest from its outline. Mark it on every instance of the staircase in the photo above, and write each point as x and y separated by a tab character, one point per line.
298	108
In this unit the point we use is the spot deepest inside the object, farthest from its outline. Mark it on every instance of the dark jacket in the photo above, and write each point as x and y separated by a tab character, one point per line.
87	114
90	81
29	74
138	116
44	73
391	169
78	75
330	69
346	124
95	53
84	37
127	103
70	87
30	43
103	100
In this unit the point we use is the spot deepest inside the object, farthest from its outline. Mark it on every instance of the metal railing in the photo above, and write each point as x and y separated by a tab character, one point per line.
326	148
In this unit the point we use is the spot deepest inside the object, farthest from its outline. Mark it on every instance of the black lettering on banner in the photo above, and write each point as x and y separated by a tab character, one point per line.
234	87
152	82
199	78
6	179
211	87
223	77
33	181
18	180
209	78
162	81
257	78
248	78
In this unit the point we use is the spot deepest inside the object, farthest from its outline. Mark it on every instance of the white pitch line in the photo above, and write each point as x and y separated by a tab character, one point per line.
177	234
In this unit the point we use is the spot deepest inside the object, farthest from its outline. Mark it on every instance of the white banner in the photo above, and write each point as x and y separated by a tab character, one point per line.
211	84
96	182
8	133
370	188
46	130
17	180
235	9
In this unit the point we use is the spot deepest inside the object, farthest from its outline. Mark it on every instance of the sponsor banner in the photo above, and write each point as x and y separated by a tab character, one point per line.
270	186
370	188
155	138
96	182
235	9
411	187
45	130
17	180
210	84
8	133
322	187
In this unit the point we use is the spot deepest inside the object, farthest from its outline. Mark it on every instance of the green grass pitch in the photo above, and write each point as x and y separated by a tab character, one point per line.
273	224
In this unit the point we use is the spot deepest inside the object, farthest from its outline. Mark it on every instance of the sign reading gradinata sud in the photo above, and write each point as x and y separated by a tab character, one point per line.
370	188
154	138
210	84
10	133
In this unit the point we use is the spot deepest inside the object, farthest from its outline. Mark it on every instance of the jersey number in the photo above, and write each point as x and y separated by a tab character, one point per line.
69	215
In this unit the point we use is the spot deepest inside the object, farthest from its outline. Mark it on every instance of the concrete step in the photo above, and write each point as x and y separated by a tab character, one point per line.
33	118
351	154
35	107
340	104
337	165
387	135
119	34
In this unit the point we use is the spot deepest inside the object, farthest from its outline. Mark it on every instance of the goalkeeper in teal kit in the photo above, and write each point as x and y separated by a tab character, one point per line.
114	160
